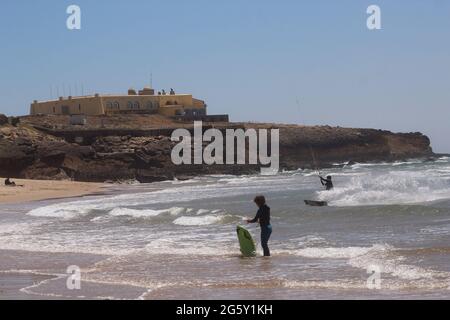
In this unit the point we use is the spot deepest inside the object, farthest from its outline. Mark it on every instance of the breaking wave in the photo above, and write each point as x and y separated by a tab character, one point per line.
145	213
198	221
387	188
383	256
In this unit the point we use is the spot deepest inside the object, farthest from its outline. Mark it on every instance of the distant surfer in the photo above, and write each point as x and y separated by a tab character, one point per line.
328	183
263	217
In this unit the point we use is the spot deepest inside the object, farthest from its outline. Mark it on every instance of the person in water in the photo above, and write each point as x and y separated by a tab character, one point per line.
328	183
263	217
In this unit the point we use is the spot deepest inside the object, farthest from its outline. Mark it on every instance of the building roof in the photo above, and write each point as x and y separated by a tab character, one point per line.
111	96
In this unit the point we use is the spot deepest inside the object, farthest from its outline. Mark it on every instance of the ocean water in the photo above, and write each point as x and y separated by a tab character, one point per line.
177	239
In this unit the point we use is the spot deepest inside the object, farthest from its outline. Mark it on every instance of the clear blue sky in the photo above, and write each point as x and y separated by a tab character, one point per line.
253	59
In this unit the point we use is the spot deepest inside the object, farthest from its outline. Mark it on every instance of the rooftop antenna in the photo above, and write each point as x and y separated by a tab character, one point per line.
51	92
76	89
299	106
82	89
64	89
57	90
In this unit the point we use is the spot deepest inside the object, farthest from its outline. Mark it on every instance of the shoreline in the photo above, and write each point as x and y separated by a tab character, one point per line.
37	190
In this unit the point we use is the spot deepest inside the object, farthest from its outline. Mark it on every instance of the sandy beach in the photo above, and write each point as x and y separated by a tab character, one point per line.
33	190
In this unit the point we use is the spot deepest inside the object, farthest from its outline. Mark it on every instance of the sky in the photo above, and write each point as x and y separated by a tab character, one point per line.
287	61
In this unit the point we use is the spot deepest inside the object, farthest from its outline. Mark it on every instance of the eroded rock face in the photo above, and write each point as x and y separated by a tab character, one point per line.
299	146
26	152
3	119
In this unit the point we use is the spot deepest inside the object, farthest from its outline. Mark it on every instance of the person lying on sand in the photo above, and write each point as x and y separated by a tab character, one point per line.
10	183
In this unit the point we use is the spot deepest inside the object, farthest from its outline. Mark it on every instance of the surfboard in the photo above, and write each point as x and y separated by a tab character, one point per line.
248	247
316	203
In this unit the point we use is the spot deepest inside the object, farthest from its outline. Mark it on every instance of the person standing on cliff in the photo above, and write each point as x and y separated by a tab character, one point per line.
328	183
263	217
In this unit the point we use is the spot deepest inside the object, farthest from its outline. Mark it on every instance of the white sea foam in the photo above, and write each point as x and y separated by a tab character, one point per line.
193	250
386	258
52	246
390	187
183	193
117	212
382	256
219	243
58	211
15	228
198	221
149	213
331	253
443	159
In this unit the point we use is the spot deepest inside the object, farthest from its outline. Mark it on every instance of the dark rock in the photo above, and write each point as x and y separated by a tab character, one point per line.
14	158
3	119
143	177
39	154
14	121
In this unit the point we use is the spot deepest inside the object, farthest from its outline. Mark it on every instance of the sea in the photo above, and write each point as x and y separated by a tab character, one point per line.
384	235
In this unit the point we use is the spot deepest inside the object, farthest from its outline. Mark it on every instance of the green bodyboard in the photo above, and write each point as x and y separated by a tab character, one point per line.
248	247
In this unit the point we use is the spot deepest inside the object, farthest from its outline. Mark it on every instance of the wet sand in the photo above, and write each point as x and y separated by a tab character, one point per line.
11	285
28	275
33	190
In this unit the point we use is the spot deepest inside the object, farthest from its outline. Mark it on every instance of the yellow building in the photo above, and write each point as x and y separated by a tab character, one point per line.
144	101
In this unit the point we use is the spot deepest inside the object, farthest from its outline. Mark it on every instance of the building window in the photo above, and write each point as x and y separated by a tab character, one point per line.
109	105
116	105
54	110
65	109
149	105
130	105
136	105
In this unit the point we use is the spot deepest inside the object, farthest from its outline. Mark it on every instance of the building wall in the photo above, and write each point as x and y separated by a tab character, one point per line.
85	105
182	100
171	110
198	103
112	104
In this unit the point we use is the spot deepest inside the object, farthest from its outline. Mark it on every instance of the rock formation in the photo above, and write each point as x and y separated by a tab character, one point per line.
39	148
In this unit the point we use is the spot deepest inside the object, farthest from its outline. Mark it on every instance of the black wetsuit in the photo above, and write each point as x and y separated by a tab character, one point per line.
327	183
9	183
263	216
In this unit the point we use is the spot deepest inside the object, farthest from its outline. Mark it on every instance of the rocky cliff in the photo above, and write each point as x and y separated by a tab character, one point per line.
44	148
